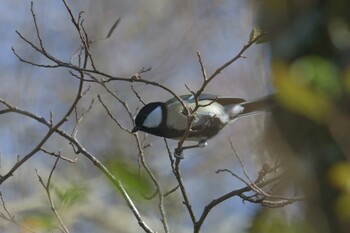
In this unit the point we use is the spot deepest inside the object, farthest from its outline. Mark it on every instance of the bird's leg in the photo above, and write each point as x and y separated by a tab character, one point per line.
178	152
200	144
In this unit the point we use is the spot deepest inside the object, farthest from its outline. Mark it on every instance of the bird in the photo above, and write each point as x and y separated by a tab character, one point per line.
170	120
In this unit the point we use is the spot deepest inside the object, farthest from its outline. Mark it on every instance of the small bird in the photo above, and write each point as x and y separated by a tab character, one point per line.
170	120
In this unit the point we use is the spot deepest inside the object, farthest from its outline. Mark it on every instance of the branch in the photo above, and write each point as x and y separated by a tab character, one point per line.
48	193
141	157
93	159
96	162
111	115
224	66
187	203
46	137
253	185
176	170
226	196
59	156
10	218
79	119
82	70
191	116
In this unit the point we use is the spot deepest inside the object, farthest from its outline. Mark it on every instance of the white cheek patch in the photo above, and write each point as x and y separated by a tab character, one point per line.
154	119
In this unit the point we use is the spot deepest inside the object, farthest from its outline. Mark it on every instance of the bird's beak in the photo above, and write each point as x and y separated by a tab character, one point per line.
135	129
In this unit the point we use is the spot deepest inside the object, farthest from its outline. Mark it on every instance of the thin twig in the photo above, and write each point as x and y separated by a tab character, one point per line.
155	182
254	185
226	196
10	218
186	202
81	70
171	191
206	81
5	208
141	157
36	27
111	115
233	174
172	161
48	193
79	119
224	66
137	95
204	72
43	141
59	155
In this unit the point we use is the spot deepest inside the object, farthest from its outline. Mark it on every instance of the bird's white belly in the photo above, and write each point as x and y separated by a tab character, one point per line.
176	118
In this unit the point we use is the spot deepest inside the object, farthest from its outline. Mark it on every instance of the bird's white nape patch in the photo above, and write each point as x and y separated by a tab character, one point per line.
154	119
235	111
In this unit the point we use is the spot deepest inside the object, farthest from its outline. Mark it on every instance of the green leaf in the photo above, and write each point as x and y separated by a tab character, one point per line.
317	73
135	182
75	193
298	96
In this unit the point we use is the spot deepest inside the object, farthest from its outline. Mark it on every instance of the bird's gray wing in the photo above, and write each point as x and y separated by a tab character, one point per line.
229	100
219	99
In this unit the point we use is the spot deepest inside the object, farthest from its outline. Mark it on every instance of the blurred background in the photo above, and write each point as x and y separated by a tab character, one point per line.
308	39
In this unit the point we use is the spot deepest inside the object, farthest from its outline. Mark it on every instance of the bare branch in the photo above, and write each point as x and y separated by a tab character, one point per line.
204	72
142	160
155	182
37	28
187	203
32	63
217	201
206	81
93	159
59	156
233	174
48	193
7	216
10	216
111	115
172	162
79	119
46	137
122	102
254	185
137	95
171	191
224	66
82	70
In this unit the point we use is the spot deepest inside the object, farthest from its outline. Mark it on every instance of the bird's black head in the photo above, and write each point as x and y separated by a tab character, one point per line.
150	117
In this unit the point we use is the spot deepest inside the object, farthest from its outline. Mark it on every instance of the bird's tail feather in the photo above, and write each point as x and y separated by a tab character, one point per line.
257	105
